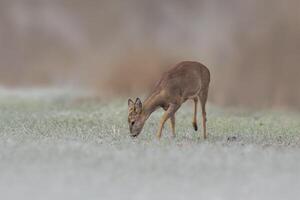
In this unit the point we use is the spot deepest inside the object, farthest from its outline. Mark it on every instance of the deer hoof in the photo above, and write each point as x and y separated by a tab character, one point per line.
195	126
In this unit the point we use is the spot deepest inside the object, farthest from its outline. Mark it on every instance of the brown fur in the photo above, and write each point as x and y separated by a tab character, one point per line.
187	80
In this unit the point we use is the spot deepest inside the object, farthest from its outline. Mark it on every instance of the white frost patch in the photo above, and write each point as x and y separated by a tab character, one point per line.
83	151
72	170
43	93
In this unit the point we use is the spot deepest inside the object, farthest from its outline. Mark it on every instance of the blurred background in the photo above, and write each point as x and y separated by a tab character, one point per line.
116	47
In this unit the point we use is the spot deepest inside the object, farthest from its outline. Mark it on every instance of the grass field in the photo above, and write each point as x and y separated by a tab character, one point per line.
55	144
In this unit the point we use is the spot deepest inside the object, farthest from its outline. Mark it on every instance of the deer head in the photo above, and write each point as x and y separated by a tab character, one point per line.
136	119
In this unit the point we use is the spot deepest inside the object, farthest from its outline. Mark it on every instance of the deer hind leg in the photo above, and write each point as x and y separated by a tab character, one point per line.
172	123
195	114
169	113
203	98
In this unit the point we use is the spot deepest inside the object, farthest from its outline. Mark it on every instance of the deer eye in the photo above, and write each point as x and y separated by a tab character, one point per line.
132	123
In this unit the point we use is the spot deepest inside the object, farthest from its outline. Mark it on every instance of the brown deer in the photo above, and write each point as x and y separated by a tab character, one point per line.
187	80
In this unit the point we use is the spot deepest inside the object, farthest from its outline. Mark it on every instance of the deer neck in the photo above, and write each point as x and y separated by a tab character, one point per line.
150	105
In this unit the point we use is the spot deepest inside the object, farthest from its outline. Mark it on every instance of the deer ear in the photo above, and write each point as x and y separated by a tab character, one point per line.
130	103
138	105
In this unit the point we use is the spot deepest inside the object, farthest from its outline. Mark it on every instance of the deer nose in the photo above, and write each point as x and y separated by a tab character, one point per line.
133	136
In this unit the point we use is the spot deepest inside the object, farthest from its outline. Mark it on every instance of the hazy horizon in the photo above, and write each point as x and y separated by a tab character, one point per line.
251	47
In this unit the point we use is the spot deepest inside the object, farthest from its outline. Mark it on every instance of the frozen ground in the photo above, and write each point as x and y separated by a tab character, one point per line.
56	146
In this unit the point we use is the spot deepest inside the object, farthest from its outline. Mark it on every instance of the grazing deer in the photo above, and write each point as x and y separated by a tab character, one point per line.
187	80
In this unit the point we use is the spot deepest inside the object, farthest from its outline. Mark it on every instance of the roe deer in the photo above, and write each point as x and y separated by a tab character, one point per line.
187	80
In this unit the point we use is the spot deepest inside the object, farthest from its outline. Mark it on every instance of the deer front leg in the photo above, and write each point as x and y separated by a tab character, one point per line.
170	112
172	123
